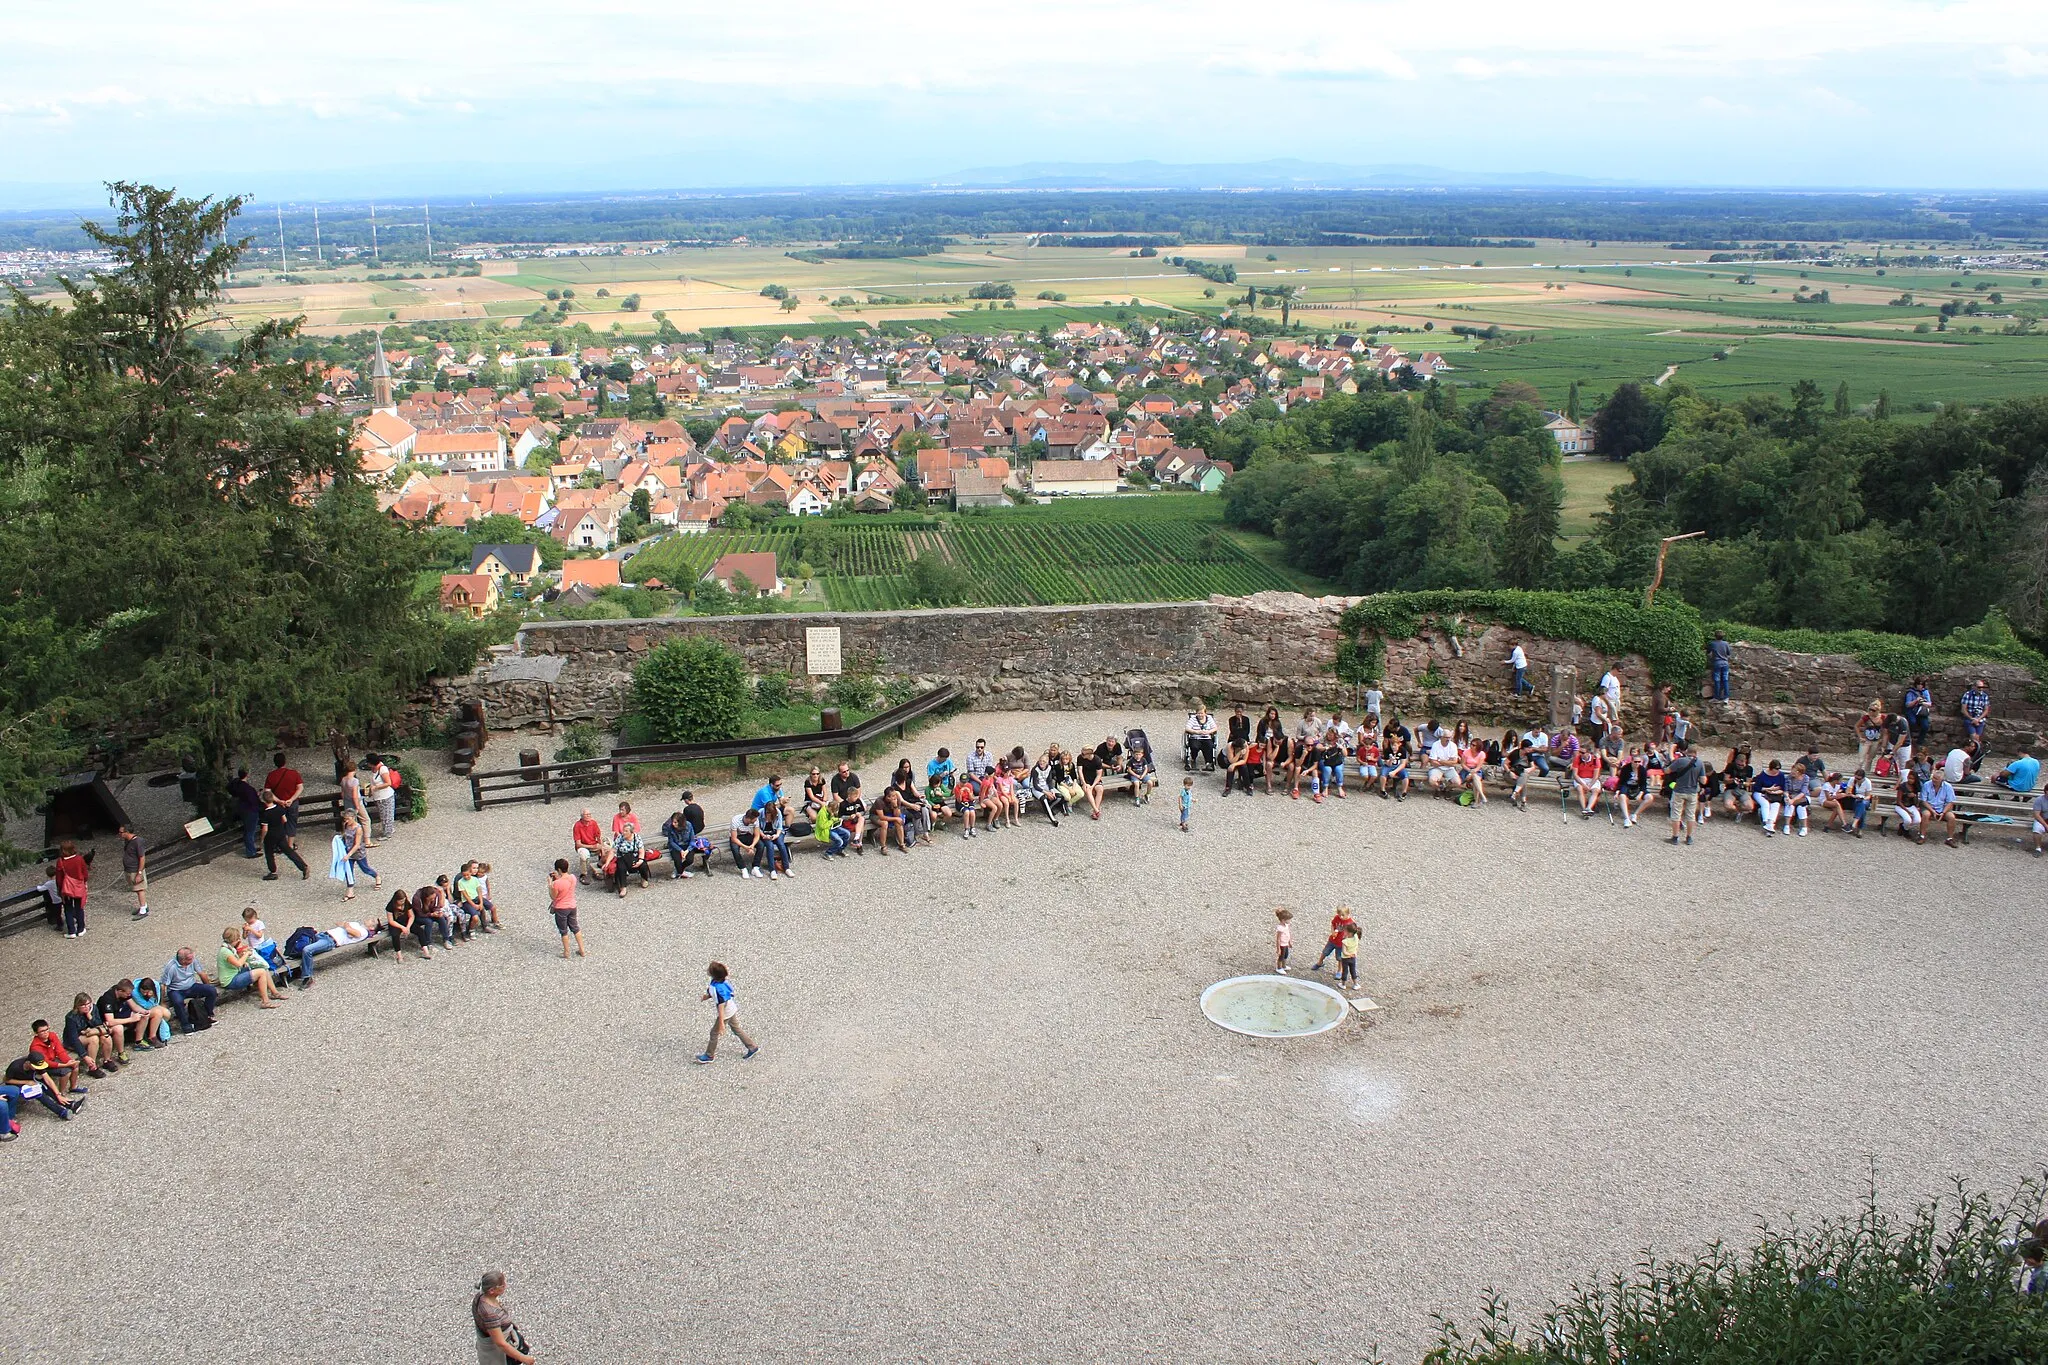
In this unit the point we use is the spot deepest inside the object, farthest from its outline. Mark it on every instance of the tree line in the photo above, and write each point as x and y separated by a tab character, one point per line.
1815	515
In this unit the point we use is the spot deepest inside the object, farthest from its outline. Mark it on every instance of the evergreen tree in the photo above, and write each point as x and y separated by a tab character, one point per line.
1842	399
1627	423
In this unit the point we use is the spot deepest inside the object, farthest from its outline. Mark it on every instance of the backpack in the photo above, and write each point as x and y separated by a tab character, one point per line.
295	946
392	779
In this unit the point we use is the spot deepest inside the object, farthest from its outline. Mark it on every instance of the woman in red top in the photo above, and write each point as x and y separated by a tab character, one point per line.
73	872
1586	776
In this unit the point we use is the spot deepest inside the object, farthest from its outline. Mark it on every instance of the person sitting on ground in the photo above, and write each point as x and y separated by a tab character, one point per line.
2022	774
889	819
1200	743
401	919
587	839
1938	800
132	1025
24	1072
849	822
242	970
1472	771
96	1044
627	855
189	992
744	841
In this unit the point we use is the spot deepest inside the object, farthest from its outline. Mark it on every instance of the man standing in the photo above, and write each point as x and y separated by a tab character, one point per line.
1719	653
1684	778
1610	687
1519	661
249	809
1976	706
189	992
277	838
285	784
134	862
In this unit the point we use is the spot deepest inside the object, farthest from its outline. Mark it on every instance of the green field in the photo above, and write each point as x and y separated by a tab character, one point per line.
1586	486
1919	374
1779	310
1159	548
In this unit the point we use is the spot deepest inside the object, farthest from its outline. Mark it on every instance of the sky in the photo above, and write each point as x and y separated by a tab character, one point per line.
516	96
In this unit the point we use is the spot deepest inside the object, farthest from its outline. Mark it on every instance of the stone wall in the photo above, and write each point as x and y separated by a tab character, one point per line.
1271	647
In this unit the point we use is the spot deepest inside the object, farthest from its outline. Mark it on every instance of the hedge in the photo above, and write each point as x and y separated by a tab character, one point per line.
1669	636
1904	656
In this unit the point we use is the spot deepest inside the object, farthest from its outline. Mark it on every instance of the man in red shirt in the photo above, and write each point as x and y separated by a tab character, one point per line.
588	836
286	784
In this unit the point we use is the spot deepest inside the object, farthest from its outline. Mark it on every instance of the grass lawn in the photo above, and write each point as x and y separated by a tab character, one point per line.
1586	485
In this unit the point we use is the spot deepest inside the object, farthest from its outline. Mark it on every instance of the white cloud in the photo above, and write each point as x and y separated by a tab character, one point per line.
2020	63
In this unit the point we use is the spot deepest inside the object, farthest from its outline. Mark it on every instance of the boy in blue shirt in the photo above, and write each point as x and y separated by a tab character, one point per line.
720	993
1187	805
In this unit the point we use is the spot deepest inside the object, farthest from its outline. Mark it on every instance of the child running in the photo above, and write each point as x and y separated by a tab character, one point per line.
1283	939
562	902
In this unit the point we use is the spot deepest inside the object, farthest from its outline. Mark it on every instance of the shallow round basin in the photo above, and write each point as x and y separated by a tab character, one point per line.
1273	1006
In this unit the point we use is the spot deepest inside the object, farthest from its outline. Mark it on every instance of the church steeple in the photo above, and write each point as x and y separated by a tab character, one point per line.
380	380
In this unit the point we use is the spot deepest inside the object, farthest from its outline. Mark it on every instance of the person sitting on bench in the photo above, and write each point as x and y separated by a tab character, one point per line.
133	1025
190	993
587	838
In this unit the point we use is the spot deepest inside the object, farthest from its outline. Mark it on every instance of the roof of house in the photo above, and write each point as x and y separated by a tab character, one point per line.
1073	471
594	573
516	558
387	427
478	586
758	566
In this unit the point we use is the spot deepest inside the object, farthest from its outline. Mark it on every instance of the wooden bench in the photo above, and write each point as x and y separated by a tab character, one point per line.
1978	803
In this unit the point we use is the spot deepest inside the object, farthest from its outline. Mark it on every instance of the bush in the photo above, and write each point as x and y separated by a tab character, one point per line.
852	692
772	691
692	691
1940	1284
1669	636
1905	656
412	791
580	742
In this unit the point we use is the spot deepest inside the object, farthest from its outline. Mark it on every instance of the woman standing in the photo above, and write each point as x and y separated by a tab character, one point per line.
350	853
1870	732
352	793
498	1338
73	873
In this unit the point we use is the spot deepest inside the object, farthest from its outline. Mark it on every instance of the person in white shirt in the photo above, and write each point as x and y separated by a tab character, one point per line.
1519	661
1610	687
1372	705
1539	749
1308	727
1345	734
1201	738
1956	767
1443	763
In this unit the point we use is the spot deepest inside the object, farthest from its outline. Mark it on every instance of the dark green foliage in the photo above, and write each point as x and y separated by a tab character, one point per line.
934	582
1939	1284
1906	656
1668	636
412	791
1627	423
206	570
692	690
772	692
852	691
580	742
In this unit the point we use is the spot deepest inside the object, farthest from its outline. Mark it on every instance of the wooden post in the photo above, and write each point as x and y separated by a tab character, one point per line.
476	793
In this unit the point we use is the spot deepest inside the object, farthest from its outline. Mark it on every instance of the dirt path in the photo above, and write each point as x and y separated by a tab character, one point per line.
1669	370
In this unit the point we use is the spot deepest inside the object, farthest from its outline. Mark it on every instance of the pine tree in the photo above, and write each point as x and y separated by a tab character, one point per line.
1842	399
1571	402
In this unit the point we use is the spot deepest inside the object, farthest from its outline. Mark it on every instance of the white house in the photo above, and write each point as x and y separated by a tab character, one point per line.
1572	437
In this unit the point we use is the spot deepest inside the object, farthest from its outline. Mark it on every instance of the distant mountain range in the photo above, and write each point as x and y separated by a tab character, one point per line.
1281	173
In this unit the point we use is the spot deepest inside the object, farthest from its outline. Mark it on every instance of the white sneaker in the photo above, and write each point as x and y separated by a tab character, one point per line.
773	875
688	874
1802	831
788	874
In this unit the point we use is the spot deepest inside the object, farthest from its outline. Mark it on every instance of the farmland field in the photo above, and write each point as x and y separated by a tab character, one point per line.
1159	548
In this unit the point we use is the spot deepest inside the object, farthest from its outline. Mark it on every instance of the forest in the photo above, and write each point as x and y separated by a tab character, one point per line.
1813	517
1167	217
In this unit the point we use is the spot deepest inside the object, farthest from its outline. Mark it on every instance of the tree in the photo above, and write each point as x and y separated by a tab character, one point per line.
1627	423
208	569
935	581
1842	399
1571	401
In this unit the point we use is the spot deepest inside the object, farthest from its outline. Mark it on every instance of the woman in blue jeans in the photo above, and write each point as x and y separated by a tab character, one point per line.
350	854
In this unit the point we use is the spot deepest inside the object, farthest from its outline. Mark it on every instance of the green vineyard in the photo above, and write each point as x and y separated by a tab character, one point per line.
1157	550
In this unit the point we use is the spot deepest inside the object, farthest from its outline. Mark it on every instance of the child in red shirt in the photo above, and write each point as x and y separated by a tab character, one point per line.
49	1056
965	800
1334	947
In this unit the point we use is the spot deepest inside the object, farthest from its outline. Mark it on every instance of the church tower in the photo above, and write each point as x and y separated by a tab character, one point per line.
380	381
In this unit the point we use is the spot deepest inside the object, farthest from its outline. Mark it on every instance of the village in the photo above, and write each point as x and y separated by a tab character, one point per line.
806	427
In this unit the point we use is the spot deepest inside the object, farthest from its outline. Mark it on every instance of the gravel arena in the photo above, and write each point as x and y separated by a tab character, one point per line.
988	1121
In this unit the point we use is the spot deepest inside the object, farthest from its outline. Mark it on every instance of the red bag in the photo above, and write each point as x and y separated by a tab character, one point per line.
1884	767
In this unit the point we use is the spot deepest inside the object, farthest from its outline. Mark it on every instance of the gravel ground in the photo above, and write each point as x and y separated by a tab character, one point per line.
988	1120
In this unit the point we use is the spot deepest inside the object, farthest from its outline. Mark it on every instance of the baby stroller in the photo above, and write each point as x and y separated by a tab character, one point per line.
1138	762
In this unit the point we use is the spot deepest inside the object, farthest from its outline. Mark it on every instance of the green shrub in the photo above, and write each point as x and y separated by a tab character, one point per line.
1904	656
580	742
412	791
896	691
692	690
1937	1285
772	691
1668	636
852	692
1358	664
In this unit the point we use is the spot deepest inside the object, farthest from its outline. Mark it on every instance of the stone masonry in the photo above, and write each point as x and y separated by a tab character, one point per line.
1277	648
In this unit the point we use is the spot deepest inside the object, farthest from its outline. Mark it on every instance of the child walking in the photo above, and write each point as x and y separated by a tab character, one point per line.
1283	939
719	992
562	903
1347	958
1187	805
